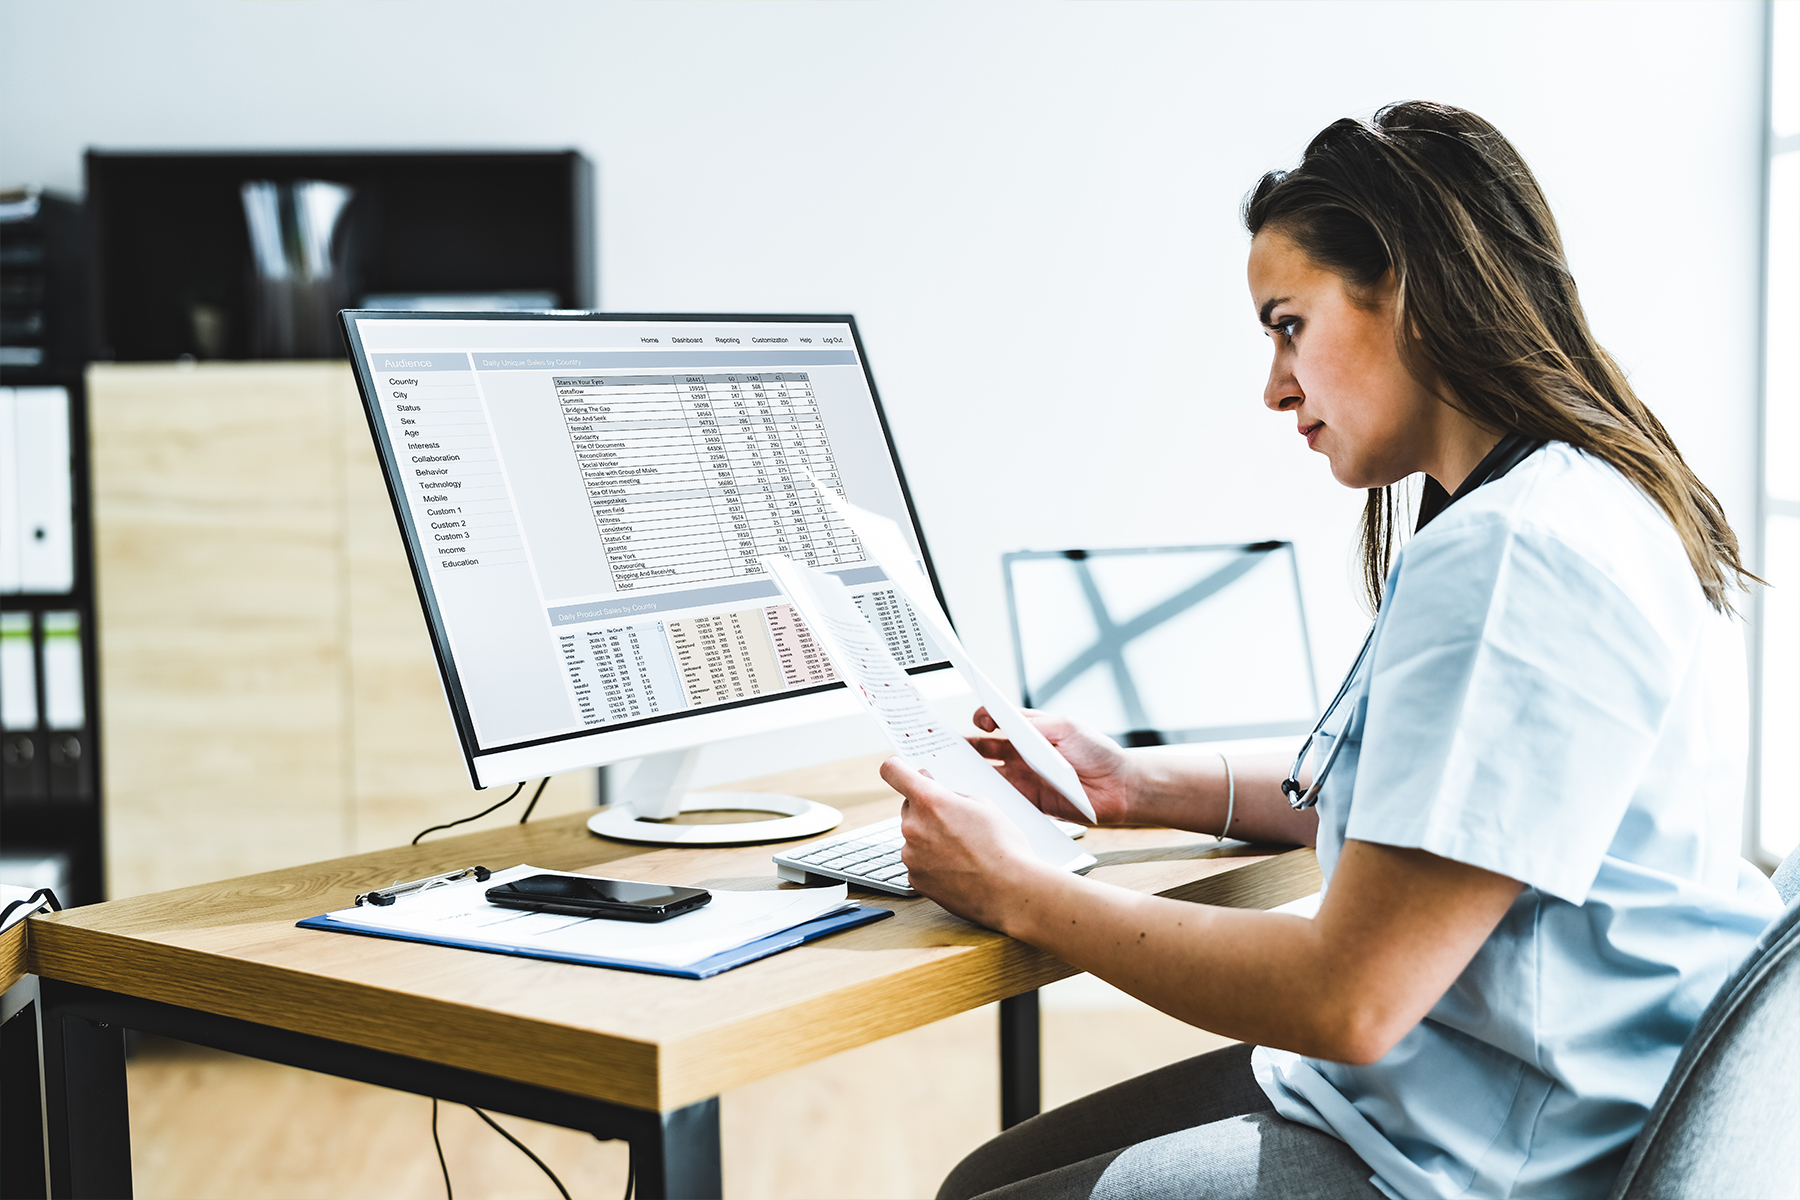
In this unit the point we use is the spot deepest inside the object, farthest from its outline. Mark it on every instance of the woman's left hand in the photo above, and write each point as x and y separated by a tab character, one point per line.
959	851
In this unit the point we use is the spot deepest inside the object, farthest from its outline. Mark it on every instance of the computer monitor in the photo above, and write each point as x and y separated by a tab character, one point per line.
1165	644
586	500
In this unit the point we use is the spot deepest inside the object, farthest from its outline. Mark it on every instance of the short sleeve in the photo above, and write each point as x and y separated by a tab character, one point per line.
1516	694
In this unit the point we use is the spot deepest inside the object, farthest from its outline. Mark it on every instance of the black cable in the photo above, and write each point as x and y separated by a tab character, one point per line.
41	896
630	1165
442	1165
523	1148
534	799
484	812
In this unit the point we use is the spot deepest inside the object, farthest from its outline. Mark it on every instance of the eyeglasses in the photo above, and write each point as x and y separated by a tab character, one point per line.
1299	797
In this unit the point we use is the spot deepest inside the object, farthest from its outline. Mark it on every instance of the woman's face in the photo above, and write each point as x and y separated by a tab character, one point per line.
1338	370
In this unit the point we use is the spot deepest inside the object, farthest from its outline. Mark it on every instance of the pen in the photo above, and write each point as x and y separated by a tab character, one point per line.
388	895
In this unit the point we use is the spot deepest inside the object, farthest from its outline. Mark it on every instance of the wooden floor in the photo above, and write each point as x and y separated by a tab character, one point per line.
884	1121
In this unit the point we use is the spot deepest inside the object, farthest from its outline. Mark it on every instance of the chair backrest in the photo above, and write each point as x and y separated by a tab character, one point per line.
1728	1121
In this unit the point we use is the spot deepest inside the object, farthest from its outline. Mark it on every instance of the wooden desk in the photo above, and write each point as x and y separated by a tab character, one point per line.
12	956
628	1055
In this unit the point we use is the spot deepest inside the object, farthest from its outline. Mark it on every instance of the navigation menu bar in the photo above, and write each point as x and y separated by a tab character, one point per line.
396	335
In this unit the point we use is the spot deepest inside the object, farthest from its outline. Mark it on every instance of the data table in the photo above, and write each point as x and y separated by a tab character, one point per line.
893	617
695	477
631	671
621	672
725	656
803	661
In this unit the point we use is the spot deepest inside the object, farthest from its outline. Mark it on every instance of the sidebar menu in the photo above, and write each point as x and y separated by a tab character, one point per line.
445	452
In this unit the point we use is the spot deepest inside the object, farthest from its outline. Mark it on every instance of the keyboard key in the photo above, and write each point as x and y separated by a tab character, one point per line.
889	874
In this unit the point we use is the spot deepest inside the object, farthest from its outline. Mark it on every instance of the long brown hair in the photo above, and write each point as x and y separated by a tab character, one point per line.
1484	303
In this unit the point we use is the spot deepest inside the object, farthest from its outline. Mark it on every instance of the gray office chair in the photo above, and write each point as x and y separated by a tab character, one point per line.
1728	1121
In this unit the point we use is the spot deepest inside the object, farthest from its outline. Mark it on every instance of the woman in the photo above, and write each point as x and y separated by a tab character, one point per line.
1529	825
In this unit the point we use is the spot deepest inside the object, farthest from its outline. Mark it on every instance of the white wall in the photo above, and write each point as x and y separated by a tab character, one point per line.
1062	176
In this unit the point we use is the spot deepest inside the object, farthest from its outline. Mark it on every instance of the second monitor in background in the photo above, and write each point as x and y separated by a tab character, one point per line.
1163	644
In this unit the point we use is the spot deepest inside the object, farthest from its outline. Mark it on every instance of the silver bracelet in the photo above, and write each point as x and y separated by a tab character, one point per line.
1230	795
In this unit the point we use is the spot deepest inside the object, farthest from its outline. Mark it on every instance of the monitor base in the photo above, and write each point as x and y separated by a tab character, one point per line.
798	819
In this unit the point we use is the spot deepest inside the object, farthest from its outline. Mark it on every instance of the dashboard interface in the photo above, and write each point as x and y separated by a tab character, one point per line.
588	502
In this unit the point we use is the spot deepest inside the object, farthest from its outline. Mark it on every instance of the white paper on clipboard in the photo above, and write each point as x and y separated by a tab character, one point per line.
915	730
885	543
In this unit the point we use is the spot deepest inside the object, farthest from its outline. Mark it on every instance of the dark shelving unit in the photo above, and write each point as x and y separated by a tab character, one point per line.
50	800
50	778
169	236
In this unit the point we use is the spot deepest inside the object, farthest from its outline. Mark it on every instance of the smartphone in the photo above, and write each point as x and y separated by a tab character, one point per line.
584	896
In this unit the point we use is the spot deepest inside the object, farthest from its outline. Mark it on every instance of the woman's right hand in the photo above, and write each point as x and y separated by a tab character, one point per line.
1107	773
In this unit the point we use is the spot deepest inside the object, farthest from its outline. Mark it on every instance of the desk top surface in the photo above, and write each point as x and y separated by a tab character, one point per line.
648	1041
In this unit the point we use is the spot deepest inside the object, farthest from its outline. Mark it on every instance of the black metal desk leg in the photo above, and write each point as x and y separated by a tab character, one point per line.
86	1126
21	1100
681	1162
1021	1089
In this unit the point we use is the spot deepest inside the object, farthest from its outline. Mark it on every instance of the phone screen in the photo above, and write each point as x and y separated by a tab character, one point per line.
586	896
599	891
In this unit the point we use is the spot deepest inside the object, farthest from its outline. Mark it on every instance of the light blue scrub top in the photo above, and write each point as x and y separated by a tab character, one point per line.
1548	696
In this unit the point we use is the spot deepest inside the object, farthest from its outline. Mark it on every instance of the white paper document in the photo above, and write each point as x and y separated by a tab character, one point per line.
917	732
460	912
882	538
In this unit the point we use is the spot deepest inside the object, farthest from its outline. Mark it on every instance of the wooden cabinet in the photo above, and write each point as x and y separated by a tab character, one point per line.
267	682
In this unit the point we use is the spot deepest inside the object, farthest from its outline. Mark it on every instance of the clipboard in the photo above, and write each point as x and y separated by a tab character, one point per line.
459	918
706	968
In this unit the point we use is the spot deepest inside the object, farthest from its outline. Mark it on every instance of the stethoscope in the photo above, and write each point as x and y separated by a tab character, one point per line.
1297	796
1507	454
1511	450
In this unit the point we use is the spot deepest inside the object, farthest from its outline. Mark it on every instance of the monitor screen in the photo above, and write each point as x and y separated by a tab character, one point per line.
587	499
1166	643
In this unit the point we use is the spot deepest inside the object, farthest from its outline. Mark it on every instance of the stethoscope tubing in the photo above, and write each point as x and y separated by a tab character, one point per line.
1303	798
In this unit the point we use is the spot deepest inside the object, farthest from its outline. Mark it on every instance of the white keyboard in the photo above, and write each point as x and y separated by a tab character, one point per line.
868	857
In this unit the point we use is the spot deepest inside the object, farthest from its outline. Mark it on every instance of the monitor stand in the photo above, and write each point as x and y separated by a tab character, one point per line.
657	792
